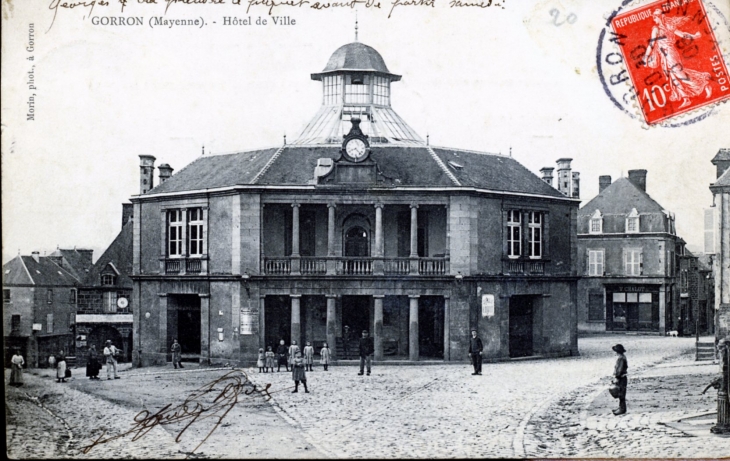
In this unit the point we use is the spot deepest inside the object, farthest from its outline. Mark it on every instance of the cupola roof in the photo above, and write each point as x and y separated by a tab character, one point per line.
356	56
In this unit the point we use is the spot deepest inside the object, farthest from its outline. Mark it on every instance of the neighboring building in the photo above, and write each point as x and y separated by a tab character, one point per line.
360	223
104	307
695	295
628	253
40	294
717	242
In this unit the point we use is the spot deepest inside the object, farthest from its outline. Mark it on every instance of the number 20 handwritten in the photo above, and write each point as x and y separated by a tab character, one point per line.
570	19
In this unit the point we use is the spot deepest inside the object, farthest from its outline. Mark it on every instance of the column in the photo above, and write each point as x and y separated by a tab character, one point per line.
447	252
378	320
204	328
296	319
447	343
414	239
184	236
164	347
295	239
262	322
413	329
331	264
331	326
204	257
378	265
163	239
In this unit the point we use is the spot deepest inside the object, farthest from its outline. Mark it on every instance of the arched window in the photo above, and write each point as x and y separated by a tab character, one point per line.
357	242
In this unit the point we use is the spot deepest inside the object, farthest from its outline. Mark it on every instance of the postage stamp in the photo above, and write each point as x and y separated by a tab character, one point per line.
672	58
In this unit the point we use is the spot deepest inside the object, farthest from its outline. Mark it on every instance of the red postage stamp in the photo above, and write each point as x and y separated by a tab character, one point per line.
672	57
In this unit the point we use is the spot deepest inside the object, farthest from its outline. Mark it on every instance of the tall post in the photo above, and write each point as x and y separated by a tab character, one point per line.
262	322
204	328
331	265
723	406
379	265
163	327
414	239
413	351
295	269
331	326
447	333
378	340
184	236
296	319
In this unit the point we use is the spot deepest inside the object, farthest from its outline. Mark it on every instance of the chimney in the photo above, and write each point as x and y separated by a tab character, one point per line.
576	184
547	174
87	256
146	170
565	178
638	177
127	212
165	172
722	161
603	182
36	255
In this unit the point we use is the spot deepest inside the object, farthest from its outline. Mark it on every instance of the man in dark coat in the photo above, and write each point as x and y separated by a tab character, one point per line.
367	348
620	377
475	352
281	355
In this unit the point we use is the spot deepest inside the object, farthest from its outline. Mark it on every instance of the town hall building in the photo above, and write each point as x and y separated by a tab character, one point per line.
359	222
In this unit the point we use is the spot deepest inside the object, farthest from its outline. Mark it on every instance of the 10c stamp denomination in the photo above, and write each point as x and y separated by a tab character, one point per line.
672	57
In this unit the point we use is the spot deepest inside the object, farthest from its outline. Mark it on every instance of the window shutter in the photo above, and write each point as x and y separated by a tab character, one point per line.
641	263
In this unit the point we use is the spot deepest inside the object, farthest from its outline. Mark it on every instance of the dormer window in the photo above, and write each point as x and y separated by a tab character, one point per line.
108	280
596	224
632	221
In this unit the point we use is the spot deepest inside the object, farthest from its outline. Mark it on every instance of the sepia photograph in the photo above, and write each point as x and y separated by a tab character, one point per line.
303	229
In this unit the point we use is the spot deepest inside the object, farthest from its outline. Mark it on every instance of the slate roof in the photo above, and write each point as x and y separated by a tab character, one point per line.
24	270
412	166
119	255
722	155
76	261
723	180
355	56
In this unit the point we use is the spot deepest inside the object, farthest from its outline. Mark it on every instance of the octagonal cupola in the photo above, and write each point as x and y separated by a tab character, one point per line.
356	84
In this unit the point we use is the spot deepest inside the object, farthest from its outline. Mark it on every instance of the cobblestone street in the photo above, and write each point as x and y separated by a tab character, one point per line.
542	408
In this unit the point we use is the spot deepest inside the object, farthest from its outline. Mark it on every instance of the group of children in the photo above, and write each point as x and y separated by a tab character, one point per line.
293	357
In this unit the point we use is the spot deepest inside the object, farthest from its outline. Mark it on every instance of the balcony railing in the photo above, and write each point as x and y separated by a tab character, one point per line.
193	266
523	267
357	266
307	265
432	266
277	266
313	266
172	266
397	266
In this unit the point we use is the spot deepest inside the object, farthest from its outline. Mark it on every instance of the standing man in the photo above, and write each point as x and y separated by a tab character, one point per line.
176	354
111	362
475	352
367	348
346	342
620	378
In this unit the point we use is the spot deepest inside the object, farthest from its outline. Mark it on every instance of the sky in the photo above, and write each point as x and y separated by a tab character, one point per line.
520	77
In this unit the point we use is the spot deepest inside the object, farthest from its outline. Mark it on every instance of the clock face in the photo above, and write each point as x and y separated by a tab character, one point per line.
355	148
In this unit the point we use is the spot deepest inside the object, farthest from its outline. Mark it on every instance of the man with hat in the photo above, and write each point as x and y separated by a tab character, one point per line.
619	377
475	352
367	348
110	353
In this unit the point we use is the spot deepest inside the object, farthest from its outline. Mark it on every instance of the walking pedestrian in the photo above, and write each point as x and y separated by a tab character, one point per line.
308	356
261	361
293	349
367	348
475	352
16	373
281	352
620	377
270	359
176	350
61	367
298	373
111	362
92	363
324	356
346	338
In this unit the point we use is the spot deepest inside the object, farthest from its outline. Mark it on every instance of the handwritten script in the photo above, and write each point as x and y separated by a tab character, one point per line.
211	403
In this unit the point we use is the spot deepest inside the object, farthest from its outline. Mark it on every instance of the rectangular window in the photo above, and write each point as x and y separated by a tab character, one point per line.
632	225
174	233
49	323
108	279
381	91
110	302
357	89
596	225
596	312
514	234
6	296
332	90
683	281
246	321
534	227
595	262
72	296
15	324
49	296
195	232
632	259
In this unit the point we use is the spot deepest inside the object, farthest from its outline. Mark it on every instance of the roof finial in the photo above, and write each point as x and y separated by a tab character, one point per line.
203	150
510	151
427	138
355	25
285	139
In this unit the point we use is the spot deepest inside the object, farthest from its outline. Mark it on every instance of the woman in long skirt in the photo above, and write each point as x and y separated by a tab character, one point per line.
61	367
92	364
293	349
16	373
